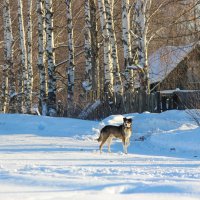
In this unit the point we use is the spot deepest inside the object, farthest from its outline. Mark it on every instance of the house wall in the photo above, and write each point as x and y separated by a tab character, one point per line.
193	71
176	79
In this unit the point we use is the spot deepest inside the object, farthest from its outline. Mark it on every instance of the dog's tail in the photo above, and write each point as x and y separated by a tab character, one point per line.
100	138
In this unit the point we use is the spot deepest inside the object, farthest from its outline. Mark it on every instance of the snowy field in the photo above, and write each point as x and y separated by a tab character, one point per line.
44	158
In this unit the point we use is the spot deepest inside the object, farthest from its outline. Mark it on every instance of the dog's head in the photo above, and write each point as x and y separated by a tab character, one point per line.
127	122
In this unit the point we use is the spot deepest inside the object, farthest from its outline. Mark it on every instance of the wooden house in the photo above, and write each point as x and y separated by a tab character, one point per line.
175	75
175	67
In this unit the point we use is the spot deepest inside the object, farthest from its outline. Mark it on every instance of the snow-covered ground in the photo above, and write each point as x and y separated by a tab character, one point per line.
44	158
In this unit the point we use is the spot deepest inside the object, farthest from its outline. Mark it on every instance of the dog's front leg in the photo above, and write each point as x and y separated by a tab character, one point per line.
125	149
124	145
127	142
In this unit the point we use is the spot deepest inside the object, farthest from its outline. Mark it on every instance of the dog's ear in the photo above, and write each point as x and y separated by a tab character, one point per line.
124	119
130	120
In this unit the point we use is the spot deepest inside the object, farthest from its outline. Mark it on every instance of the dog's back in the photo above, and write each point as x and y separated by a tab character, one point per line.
110	131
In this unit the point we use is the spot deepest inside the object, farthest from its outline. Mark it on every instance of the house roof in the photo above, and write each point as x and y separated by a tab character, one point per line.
165	59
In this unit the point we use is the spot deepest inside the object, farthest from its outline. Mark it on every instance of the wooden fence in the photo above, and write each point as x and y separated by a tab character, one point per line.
155	102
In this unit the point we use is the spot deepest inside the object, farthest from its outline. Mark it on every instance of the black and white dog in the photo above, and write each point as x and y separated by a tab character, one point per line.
122	132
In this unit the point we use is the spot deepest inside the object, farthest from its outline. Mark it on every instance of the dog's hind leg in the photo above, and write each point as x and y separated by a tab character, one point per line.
109	141
102	143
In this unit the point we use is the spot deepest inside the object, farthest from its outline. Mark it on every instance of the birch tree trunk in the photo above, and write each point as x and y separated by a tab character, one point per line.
11	80
141	28
4	97
71	65
20	94
142	8
108	69
8	57
118	89
41	58
196	16
95	51
87	84
50	59
126	39
23	98
29	57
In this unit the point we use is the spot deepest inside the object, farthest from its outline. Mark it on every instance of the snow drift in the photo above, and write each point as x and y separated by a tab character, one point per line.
43	158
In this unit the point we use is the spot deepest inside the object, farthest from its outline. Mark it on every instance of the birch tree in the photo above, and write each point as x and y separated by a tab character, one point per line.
95	50
118	89
108	68
4	94
197	16
4	97
41	57
87	84
29	57
126	39
23	99
8	81
71	65
91	82
50	59
141	29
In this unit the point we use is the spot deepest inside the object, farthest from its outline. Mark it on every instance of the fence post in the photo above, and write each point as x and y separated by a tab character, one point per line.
175	101
158	101
136	106
164	102
170	102
152	101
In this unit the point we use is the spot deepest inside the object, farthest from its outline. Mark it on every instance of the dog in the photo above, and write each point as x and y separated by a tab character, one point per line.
122	132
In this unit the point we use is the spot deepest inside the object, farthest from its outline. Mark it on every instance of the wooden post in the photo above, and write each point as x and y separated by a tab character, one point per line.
175	99
164	103
136	104
158	102
152	100
140	102
170	107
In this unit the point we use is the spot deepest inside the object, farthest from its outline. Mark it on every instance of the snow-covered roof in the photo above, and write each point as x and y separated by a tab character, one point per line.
165	59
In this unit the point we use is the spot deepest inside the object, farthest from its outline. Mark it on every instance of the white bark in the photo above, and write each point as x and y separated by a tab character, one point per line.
87	84
7	54
126	32
89	109
50	59
5	89
71	65
108	69
196	16
141	28
8	78
126	39
29	57
95	51
23	89
118	89
41	57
